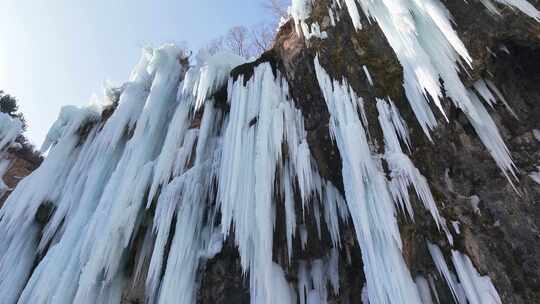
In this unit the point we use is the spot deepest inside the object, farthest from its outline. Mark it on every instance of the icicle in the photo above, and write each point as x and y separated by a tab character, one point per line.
179	281
283	293
203	81
19	233
485	88
429	49
482	89
135	169
478	289
403	171
333	269
499	95
186	196
334	209
319	280
370	204
426	46
442	267
423	290
303	282
251	153
79	179
489	134
170	158
290	212
303	236
300	11
433	288
522	5
315	276
368	75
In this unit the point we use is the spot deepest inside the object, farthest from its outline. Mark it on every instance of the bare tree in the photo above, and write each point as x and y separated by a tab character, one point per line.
252	42
278	8
237	41
215	45
262	37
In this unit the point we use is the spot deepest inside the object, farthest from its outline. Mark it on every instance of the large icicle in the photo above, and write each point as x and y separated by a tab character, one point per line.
187	196
472	287
204	80
262	121
370	204
108	236
444	271
479	289
18	231
251	152
429	50
403	171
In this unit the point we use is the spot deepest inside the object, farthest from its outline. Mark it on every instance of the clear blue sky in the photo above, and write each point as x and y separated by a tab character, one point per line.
58	52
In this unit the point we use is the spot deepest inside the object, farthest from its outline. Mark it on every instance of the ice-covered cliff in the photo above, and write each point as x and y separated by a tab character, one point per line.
381	152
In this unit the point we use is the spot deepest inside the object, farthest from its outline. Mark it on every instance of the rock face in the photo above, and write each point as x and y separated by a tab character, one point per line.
21	165
499	226
286	185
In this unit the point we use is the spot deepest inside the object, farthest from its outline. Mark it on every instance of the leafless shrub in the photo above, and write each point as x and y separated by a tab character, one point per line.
249	43
277	8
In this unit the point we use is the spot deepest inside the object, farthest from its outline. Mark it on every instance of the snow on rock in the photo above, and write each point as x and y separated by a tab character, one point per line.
475	202
10	129
71	118
212	72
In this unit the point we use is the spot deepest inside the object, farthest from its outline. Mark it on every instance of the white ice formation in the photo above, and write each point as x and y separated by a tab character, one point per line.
176	171
10	129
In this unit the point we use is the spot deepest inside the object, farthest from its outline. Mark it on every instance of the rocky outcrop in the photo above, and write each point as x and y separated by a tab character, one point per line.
21	159
498	225
164	195
21	165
